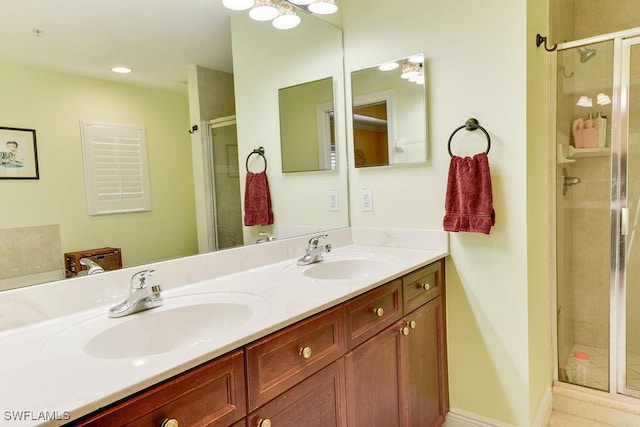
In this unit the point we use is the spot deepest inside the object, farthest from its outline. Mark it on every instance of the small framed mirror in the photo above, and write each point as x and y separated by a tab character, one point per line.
307	130
389	113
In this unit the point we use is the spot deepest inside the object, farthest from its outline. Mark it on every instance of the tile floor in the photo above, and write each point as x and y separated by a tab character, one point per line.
561	419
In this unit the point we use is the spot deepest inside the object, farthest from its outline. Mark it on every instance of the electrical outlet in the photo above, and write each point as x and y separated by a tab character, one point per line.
367	199
334	204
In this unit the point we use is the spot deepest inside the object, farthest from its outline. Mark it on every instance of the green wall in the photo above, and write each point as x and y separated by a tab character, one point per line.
53	104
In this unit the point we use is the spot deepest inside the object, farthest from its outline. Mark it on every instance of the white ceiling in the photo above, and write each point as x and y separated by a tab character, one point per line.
158	39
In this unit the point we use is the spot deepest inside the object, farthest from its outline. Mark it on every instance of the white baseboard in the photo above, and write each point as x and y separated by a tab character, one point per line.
544	410
460	418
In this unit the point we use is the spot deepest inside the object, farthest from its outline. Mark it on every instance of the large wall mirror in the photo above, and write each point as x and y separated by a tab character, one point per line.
389	113
307	131
53	99
310	53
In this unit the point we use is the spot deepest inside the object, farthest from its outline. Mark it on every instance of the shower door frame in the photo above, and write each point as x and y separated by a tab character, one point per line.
622	42
210	182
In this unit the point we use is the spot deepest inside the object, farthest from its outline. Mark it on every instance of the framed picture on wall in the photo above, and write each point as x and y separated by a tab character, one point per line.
18	154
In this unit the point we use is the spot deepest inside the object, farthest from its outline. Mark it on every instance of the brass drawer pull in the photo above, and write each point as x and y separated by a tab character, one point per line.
411	324
425	286
305	352
405	331
379	312
169	422
263	423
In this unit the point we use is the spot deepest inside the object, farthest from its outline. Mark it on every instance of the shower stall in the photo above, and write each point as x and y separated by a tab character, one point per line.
222	185
598	212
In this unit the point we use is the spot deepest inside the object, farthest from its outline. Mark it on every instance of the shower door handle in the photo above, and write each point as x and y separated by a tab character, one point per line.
624	221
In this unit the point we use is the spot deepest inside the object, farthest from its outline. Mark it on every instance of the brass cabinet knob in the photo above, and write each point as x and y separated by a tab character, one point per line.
379	312
305	352
411	324
263	423
425	286
405	331
169	422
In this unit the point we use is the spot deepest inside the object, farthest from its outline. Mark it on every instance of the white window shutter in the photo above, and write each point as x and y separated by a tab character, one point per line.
115	168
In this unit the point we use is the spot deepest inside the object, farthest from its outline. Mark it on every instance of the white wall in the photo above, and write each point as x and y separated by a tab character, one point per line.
476	66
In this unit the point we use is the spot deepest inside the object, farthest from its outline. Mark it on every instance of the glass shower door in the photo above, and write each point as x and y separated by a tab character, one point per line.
584	220
630	223
227	203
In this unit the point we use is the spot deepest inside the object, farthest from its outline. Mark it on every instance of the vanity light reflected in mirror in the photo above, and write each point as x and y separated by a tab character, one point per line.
307	130
389	113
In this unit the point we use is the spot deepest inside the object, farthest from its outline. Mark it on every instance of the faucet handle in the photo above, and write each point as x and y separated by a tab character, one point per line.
140	279
315	239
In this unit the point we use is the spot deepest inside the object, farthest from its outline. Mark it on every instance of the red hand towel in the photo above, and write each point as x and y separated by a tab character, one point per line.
469	200
257	200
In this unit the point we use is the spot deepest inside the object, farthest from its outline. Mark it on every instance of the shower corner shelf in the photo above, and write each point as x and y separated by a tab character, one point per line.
590	152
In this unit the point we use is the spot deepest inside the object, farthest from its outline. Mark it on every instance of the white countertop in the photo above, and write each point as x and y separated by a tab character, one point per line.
40	378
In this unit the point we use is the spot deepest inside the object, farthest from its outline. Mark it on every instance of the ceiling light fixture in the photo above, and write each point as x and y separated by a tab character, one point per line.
238	4
388	66
323	7
121	70
263	10
409	70
287	17
281	12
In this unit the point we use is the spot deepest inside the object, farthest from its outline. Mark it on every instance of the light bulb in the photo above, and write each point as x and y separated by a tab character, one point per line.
323	7
416	59
238	4
388	66
263	10
301	2
287	17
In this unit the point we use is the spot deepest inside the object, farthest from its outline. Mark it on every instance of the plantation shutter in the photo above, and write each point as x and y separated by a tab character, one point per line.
116	168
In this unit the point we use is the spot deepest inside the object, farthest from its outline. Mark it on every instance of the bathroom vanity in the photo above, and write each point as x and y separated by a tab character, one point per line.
244	337
378	359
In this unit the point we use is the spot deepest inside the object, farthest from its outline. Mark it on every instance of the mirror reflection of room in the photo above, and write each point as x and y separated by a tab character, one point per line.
389	113
307	130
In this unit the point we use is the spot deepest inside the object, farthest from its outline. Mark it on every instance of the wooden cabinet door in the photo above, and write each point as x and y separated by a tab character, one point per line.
373	380
317	401
211	395
425	397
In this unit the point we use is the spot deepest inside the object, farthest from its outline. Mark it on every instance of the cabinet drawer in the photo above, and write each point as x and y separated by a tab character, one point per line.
210	395
318	401
422	285
372	312
281	360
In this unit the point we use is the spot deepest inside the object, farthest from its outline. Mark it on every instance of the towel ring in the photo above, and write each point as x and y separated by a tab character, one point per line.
260	152
470	125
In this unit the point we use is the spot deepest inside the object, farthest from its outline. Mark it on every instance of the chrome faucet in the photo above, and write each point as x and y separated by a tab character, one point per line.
142	296
93	267
266	237
315	250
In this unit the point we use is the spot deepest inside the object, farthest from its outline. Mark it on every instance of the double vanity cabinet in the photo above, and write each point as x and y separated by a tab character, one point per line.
378	359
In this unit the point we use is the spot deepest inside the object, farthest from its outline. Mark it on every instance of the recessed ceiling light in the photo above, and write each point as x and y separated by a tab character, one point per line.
121	70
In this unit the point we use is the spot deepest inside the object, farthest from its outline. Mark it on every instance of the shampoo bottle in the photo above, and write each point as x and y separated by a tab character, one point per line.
601	125
580	368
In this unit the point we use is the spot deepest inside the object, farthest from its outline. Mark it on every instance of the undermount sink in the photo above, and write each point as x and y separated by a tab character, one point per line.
343	269
182	322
